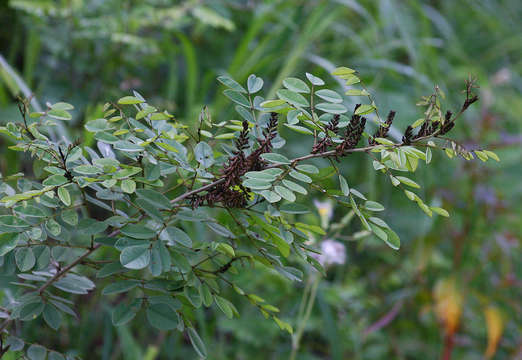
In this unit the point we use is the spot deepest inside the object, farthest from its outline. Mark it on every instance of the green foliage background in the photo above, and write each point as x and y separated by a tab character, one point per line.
380	303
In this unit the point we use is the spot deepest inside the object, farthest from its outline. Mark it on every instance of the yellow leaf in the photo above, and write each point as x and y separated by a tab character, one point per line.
448	304
495	325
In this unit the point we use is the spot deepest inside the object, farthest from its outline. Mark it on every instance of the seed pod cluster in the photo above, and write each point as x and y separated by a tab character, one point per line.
231	192
323	144
353	133
382	131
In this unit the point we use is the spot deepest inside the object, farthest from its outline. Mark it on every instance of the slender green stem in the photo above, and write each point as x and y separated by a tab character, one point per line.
311	287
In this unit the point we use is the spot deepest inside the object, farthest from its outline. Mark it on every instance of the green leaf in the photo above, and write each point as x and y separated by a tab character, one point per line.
231	83
393	239
350	79
270	196
160	259
299	176
90	226
31	310
410	195
254	84
25	259
491	154
237	97
97	125
62	106
261	175
331	108
204	154
109	269
64	196
342	71
127	146
193	296
440	211
196	342
154	197
313	228
314	80
408	181
379	222
87	169
74	284
161	316
344	185
417	123
52	316
220	230
283	325
53	355
8	242
31	211
130	100
120	287
428	155
275	158
128	186
269	104
425	208
207	295
329	95
364	109
225	306
294	209
123	313
257	184
292	98
296	85
159	116
373	206
225	136
53	227
384	141
59	114
135	257
357	92
10	223
245	114
43	257
299	129
380	233
138	231
294	187
175	235
308	169
292	117
36	352
54	180
285	193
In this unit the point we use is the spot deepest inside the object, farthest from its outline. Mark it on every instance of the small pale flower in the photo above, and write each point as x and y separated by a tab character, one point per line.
325	210
332	252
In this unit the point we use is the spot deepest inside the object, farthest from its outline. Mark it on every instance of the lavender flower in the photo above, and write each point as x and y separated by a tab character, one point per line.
332	252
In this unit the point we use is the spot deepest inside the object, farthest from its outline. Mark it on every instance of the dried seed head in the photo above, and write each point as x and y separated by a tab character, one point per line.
408	134
382	131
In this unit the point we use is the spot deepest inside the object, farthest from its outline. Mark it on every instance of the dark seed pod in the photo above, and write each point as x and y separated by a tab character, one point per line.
382	131
323	144
353	133
408	134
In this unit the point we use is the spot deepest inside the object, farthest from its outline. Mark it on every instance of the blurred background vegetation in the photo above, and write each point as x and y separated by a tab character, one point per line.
454	284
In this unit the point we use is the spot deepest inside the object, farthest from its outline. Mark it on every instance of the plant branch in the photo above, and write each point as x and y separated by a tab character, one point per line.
68	268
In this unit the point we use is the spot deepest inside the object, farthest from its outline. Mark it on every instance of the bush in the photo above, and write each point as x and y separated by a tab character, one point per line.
162	217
